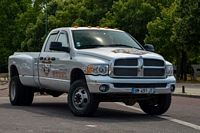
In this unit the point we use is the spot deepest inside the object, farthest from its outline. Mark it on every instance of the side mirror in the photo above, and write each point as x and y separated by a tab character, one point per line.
58	47
149	47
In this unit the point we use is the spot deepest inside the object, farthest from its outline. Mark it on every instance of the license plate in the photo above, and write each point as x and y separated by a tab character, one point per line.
143	90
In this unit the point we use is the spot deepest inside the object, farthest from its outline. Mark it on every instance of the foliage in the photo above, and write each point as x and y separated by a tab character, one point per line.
186	29
9	29
131	16
171	26
160	32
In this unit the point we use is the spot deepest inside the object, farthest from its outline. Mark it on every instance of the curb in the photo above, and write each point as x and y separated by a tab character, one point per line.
187	95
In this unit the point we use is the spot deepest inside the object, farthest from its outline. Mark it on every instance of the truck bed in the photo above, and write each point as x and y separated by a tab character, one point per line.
27	66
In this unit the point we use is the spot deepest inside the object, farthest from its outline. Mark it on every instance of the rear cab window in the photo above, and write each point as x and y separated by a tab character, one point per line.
51	38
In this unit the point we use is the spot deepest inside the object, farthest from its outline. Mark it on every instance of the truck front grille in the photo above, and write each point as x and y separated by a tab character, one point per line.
125	72
138	67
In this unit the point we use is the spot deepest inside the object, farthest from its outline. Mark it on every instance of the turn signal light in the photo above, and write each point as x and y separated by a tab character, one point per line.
89	69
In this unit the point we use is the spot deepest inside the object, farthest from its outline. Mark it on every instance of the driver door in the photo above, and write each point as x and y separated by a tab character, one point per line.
54	65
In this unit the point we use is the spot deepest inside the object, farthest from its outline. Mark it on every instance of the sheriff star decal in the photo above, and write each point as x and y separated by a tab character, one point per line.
46	65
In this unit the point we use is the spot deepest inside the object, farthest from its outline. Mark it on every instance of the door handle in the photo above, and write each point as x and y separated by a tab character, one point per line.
41	58
53	58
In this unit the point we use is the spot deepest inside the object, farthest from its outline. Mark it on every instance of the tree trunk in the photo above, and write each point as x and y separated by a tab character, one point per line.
181	76
184	59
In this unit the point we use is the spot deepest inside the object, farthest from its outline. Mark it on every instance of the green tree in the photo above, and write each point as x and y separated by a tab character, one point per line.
96	10
131	16
60	14
27	19
160	32
9	30
186	30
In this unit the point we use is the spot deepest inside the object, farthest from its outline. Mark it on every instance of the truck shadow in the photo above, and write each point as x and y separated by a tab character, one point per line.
61	110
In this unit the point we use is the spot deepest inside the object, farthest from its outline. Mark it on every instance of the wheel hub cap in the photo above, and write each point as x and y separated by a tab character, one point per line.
80	99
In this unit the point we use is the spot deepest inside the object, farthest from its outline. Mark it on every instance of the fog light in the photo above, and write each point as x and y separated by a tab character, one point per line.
172	88
104	88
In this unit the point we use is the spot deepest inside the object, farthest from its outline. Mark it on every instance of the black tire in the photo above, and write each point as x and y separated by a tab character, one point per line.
80	101
159	107
16	91
28	96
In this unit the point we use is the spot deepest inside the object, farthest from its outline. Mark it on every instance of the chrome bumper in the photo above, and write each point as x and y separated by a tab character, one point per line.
94	82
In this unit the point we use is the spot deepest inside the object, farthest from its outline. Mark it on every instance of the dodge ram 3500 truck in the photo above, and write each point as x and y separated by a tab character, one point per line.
93	65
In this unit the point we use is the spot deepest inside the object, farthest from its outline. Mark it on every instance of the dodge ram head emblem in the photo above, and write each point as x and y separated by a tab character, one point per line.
46	65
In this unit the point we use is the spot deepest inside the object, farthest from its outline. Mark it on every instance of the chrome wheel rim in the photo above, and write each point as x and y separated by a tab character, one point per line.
80	98
13	91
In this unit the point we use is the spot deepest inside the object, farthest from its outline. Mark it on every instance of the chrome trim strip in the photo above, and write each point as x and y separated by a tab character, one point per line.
140	67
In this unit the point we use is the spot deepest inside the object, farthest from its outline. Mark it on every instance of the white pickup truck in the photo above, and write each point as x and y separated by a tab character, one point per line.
93	65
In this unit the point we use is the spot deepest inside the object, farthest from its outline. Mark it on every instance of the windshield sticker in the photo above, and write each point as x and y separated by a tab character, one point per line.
130	51
78	44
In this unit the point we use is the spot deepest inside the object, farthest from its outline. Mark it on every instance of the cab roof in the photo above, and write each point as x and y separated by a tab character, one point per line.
86	28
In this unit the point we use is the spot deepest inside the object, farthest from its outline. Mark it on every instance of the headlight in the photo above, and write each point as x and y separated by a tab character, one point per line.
169	70
97	69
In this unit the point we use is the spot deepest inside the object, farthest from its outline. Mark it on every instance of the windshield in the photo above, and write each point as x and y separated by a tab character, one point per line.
84	39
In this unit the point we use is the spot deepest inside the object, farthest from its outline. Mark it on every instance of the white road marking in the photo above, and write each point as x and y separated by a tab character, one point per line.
131	107
180	122
91	125
165	117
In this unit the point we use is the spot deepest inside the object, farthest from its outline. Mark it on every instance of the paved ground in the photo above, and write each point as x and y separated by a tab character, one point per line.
3	90
52	115
188	89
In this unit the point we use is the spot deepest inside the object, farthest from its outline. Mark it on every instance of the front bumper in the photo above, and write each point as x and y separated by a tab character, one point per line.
94	82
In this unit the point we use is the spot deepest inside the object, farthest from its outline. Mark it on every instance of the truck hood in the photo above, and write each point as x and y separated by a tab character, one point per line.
110	53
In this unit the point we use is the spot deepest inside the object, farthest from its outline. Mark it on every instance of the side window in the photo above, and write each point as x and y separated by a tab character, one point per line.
63	38
52	38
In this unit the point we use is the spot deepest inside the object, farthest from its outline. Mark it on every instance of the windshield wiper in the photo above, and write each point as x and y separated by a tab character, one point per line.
90	46
122	45
119	45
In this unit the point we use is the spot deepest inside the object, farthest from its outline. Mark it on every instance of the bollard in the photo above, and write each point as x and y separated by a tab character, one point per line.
183	89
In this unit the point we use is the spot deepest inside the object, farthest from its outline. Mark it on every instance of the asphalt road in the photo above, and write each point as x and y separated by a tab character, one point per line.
52	115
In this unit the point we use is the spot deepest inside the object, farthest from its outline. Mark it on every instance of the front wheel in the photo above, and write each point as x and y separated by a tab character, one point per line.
156	105
80	101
